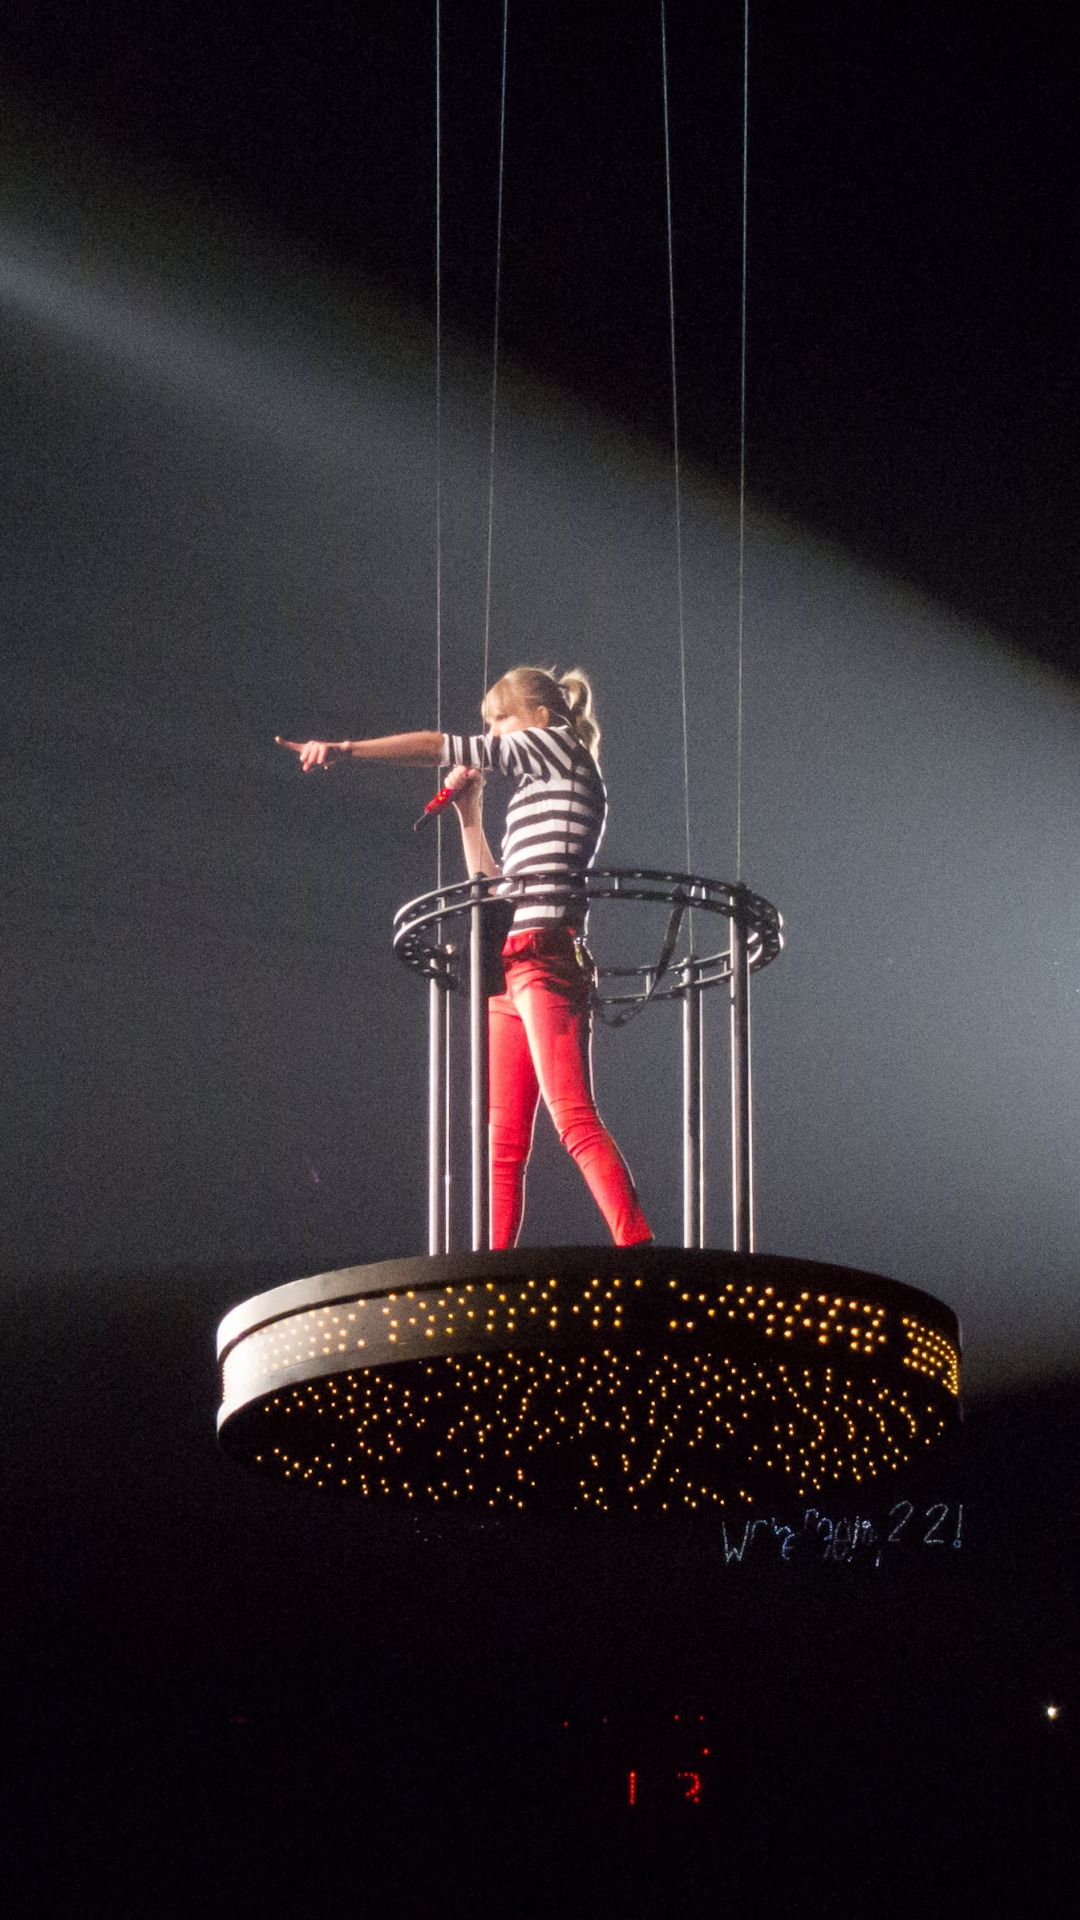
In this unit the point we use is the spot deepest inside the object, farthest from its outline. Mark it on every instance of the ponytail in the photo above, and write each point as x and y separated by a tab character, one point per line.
580	709
567	695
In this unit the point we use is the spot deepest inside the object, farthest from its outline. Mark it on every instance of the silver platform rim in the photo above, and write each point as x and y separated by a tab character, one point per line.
421	1272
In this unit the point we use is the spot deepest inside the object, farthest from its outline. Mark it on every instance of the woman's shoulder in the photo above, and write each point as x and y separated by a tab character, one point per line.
561	745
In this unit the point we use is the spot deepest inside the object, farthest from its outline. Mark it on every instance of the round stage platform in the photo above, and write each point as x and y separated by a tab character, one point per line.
638	1380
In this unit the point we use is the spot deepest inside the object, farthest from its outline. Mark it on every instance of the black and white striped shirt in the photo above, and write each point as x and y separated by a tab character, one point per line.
555	820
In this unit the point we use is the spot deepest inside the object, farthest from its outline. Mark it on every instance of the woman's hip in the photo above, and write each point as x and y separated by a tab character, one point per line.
554	958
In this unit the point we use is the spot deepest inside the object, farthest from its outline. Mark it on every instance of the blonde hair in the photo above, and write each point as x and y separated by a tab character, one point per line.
567	696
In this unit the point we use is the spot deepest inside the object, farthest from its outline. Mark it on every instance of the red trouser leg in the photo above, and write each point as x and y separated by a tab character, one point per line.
547	1045
513	1093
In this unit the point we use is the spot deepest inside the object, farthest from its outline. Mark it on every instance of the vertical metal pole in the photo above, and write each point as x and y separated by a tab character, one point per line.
436	1112
693	1143
742	1164
478	1081
701	1124
448	1139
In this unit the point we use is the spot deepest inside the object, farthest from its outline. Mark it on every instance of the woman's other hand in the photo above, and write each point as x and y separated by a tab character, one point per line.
466	785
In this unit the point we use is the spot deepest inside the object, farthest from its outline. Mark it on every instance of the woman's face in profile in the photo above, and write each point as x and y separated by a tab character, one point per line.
504	717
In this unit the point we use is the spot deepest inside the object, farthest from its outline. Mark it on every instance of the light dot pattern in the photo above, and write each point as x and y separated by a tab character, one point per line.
601	1391
930	1353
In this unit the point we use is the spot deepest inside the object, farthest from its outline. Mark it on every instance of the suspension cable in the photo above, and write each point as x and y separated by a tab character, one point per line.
742	444
675	445
438	413
495	353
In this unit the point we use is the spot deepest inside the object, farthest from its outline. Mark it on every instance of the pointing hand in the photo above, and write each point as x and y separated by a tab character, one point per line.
315	753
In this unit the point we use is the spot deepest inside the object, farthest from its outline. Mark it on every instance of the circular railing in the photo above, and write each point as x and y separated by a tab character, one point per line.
420	927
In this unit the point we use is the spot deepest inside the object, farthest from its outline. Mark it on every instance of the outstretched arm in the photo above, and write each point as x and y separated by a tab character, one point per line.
414	750
408	749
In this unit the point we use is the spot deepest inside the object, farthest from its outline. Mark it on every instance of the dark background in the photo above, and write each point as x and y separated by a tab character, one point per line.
911	229
219	1698
228	1698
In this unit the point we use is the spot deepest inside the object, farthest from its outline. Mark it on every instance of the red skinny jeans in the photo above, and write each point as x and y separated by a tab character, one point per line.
540	1034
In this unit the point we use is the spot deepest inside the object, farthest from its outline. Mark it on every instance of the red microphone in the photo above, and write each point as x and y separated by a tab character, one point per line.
441	801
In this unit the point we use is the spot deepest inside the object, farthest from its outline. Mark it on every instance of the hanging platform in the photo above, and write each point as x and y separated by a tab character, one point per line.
639	1381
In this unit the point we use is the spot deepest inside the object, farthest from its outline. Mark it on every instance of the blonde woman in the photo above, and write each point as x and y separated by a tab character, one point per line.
542	734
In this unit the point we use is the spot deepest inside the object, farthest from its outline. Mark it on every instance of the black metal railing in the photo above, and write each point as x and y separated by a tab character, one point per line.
428	937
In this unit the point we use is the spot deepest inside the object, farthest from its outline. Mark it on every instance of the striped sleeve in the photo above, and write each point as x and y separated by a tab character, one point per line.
534	753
